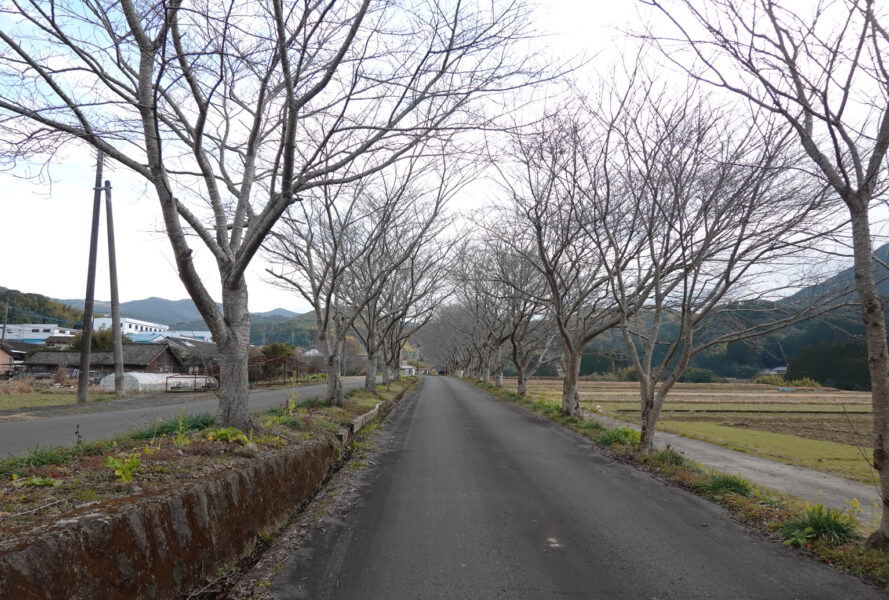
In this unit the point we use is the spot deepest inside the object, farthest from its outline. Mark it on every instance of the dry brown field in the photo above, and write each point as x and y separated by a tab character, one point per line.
813	413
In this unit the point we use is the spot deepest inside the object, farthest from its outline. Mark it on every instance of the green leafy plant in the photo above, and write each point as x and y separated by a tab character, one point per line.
37	482
227	434
822	523
718	484
626	436
123	465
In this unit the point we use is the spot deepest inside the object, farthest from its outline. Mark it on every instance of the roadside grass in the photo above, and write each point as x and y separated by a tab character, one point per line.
46	482
831	535
842	460
632	408
47	398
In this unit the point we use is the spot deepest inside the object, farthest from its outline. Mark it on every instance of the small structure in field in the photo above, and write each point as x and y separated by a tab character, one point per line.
135	381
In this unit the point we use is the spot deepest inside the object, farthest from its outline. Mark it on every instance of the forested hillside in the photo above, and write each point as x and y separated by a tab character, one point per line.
35	308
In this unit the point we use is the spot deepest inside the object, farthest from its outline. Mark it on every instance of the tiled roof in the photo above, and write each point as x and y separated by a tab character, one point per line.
133	354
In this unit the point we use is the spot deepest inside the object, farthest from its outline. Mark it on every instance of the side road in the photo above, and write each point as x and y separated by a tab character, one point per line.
812	486
16	436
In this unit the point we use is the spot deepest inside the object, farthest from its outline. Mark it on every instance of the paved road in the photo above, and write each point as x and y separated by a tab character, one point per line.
475	498
17	436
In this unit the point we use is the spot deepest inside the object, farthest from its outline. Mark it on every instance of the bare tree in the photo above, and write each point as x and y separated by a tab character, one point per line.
555	166
339	252
717	212
410	294
825	73
231	111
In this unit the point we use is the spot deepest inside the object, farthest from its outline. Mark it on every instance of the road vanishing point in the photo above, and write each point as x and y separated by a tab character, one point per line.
470	497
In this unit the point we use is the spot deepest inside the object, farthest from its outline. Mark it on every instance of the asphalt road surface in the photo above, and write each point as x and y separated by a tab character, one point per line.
470	497
19	435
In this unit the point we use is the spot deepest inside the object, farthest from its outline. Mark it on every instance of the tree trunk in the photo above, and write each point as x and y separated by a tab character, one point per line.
234	382
370	378
570	397
650	413
334	383
522	387
878	357
499	380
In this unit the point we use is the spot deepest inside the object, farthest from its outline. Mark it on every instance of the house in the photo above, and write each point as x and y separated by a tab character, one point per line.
12	353
148	358
196	356
58	341
312	351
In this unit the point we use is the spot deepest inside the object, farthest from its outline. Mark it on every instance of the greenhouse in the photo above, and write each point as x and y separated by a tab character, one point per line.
134	381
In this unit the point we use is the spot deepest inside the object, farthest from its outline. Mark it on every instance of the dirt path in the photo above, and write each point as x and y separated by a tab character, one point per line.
812	486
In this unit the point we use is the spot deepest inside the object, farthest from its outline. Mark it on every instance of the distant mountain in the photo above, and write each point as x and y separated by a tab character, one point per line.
178	314
843	283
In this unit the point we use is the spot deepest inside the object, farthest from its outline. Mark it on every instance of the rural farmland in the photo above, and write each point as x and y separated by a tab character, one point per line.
819	428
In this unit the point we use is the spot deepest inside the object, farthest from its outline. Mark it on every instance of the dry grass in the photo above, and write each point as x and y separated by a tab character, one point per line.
822	429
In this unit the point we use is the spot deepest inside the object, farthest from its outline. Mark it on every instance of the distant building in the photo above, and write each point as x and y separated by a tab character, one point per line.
312	351
148	358
408	370
130	326
33	333
12	354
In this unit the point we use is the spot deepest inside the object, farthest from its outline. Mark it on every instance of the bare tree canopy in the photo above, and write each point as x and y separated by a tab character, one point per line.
231	110
823	69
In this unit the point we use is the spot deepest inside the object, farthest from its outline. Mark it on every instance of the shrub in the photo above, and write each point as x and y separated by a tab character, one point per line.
626	436
627	374
770	379
822	523
803	382
697	375
718	484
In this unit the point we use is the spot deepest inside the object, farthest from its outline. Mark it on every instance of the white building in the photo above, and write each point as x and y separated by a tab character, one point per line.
34	333
129	326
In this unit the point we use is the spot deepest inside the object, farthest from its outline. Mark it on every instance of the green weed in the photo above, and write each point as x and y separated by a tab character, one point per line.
822	523
182	423
37	482
227	434
625	436
718	484
123	465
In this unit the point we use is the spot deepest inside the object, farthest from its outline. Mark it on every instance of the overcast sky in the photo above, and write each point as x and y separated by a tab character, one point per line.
44	231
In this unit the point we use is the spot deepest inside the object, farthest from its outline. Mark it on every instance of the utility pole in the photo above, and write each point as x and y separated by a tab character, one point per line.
3	336
83	383
115	301
5	320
